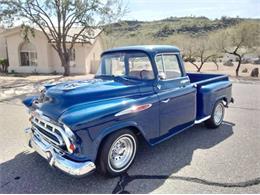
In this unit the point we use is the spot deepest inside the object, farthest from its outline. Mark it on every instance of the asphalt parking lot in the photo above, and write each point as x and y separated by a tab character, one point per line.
225	160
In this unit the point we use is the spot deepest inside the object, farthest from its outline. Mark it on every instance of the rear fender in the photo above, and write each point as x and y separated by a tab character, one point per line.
211	93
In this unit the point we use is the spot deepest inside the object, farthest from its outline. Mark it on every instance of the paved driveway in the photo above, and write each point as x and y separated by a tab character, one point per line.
225	160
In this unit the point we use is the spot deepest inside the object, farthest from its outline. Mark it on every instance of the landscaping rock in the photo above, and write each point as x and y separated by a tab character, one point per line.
228	63
255	72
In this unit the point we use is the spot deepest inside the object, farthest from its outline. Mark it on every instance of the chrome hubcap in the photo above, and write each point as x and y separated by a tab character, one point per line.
218	114
122	153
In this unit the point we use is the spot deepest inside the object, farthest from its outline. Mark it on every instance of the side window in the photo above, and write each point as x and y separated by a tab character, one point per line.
169	64
159	63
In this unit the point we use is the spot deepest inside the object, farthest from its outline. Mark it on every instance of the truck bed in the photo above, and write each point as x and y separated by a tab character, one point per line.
202	79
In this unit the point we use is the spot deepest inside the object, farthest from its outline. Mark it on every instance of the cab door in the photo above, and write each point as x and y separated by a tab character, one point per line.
177	97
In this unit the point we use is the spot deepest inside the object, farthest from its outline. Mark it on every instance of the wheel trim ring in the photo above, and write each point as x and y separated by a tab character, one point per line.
218	114
126	165
121	152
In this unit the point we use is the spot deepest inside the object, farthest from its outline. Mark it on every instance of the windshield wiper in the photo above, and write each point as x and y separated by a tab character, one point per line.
104	75
125	77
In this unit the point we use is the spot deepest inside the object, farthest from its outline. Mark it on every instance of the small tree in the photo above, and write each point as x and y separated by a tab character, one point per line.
215	59
56	18
198	51
238	41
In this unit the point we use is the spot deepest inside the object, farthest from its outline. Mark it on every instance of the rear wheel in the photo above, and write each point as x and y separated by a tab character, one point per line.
117	153
217	116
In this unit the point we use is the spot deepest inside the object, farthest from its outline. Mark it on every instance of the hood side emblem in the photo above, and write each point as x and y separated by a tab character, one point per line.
134	109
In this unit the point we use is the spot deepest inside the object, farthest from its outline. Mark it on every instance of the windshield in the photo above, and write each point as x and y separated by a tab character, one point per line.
135	65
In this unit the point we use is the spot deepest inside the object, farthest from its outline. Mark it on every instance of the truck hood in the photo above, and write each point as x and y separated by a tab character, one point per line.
64	96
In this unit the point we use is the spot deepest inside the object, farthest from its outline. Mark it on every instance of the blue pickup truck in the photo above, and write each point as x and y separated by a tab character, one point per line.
138	91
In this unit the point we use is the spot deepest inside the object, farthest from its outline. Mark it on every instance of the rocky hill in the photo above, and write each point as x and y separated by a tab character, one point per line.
167	30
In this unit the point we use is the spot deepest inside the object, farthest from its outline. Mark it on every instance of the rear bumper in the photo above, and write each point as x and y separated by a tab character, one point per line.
56	158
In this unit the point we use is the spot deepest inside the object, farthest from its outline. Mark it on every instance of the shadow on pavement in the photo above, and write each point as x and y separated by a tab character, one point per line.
30	173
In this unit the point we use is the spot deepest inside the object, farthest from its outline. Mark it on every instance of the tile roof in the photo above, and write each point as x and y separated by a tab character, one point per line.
88	36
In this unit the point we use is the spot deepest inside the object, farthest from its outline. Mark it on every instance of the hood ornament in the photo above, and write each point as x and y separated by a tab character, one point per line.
76	84
70	86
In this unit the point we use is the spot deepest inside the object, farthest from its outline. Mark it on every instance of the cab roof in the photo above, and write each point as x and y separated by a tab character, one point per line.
145	48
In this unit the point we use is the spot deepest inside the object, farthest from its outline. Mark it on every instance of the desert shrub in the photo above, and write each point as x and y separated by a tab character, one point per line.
34	72
189	59
228	63
164	32
245	70
4	65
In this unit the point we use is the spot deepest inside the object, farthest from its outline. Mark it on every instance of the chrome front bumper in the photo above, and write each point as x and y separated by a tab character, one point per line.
56	159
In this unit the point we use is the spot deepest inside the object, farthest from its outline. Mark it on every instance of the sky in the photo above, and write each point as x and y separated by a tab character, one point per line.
148	10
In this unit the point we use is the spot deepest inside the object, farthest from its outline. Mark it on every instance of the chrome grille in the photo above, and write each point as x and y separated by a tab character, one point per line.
59	135
47	130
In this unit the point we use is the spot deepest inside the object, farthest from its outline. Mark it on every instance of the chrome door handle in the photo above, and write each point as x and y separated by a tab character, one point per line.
166	101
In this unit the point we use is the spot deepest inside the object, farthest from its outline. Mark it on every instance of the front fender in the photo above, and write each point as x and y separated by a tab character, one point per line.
125	124
28	101
85	114
92	122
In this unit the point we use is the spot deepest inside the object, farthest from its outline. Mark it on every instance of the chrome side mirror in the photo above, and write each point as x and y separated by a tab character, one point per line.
161	76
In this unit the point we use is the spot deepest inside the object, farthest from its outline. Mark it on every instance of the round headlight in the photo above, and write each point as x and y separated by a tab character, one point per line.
42	89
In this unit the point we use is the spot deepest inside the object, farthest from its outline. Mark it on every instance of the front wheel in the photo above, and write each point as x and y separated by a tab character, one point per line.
217	116
117	153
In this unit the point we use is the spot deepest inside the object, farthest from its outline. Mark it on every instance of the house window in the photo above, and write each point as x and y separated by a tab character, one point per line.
28	54
72	57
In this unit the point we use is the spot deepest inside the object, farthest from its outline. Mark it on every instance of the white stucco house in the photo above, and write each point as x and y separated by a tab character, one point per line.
38	56
3	51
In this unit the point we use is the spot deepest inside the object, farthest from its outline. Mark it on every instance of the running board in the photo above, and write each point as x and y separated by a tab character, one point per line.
202	120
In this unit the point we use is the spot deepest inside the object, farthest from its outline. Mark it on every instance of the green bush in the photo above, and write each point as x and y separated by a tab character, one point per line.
4	65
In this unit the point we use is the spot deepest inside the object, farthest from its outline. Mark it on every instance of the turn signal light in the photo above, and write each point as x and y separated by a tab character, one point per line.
72	147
